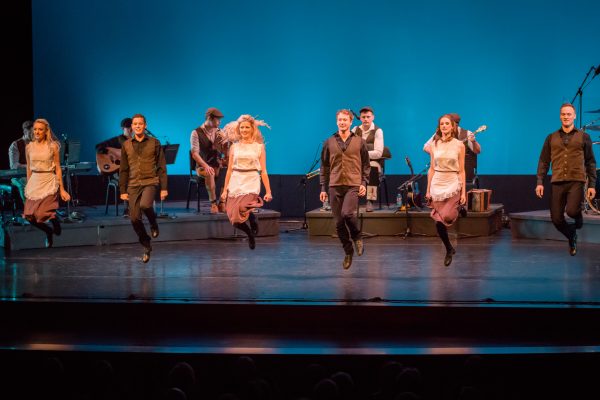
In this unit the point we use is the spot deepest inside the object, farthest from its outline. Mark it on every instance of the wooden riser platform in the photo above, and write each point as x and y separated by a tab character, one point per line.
538	225
390	222
97	229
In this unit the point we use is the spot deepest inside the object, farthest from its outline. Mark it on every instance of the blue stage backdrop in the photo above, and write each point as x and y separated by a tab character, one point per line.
505	64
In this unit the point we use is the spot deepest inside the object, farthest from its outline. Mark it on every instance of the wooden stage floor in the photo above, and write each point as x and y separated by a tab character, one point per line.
291	295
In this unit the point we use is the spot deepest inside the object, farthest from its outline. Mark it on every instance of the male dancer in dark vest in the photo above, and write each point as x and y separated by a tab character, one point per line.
569	150
344	174
373	135
204	143
17	158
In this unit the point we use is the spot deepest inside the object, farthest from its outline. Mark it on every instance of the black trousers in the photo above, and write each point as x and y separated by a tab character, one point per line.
141	200
344	207
566	197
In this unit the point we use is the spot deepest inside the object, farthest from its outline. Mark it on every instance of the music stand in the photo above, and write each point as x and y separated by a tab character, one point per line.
70	152
170	151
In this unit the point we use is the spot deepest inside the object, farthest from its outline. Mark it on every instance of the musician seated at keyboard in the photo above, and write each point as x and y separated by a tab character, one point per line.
373	135
472	148
108	154
18	159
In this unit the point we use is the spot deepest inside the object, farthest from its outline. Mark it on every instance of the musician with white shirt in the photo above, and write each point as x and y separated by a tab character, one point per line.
373	135
206	142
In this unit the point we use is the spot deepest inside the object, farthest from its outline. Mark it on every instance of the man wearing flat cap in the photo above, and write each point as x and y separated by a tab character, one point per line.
373	136
208	148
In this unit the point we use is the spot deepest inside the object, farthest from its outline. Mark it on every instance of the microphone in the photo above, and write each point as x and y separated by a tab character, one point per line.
407	162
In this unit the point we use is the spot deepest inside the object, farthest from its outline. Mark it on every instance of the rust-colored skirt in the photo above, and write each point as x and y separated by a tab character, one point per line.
239	208
41	210
446	211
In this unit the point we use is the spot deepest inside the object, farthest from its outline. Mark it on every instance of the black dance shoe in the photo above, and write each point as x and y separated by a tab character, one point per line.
347	261
359	246
251	242
254	226
573	244
462	211
56	226
154	231
49	240
448	258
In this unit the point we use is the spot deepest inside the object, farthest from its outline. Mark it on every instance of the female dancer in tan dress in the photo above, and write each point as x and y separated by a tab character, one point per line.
246	168
44	181
446	180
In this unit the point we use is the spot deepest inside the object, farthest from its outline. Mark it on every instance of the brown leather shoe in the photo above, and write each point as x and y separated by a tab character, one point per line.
347	261
214	209
573	244
146	256
359	246
221	207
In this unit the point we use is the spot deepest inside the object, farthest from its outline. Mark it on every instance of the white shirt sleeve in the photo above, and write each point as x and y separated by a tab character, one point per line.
427	145
194	143
377	151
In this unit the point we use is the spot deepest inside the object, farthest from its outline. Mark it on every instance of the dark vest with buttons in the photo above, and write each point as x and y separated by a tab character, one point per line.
208	152
470	156
345	166
21	146
567	158
370	138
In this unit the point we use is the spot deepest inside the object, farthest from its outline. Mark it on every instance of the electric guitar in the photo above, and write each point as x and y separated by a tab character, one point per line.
110	162
480	129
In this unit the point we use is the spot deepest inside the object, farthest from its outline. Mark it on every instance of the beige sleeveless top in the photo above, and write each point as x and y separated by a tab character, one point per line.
245	176
43	181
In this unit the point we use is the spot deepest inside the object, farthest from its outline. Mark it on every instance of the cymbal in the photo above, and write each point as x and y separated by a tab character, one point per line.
594	111
592	128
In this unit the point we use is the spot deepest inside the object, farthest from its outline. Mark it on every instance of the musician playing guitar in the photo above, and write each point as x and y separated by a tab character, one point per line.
473	148
108	154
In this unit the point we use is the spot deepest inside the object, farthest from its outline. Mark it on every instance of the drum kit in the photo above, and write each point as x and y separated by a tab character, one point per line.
592	205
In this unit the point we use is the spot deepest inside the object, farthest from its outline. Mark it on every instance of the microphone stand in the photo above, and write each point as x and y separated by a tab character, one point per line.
404	193
580	91
303	182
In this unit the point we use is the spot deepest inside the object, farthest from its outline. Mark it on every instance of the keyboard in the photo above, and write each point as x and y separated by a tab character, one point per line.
21	172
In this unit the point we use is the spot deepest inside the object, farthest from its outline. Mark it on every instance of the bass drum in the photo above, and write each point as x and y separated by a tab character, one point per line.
592	206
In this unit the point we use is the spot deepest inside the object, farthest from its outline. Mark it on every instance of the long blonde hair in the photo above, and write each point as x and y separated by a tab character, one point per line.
232	129
49	134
